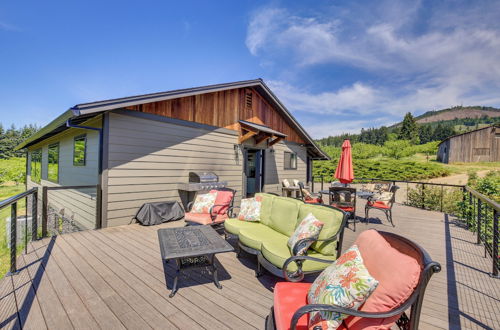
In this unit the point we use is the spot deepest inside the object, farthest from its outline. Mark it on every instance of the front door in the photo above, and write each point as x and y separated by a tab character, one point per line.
254	165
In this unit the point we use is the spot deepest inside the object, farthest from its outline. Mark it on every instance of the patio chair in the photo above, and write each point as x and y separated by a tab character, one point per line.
344	198
385	206
308	197
218	213
384	254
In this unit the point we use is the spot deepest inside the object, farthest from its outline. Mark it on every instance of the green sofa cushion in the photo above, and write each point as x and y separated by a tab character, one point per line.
332	220
284	215
277	252
234	225
255	236
265	207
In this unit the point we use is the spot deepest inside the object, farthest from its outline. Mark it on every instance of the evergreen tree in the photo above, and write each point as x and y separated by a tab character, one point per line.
409	129
425	134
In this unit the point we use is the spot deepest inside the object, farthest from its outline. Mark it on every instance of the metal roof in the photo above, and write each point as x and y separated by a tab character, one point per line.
94	108
479	129
263	128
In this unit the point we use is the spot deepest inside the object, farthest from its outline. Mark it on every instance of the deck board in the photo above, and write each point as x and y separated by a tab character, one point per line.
114	278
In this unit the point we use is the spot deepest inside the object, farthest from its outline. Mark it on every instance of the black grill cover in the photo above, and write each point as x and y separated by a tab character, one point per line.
155	213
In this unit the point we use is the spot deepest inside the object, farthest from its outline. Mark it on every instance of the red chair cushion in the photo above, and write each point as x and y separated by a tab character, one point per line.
344	208
224	197
380	205
204	218
398	274
288	297
314	201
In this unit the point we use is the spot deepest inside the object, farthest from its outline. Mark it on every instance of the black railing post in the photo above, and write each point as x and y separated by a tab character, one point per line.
423	196
407	189
322	182
34	215
13	238
312	184
494	249
478	221
26	226
469	209
45	210
98	207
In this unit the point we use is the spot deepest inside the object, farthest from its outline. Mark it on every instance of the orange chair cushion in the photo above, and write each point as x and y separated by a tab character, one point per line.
397	273
344	208
288	297
380	205
314	201
224	197
204	218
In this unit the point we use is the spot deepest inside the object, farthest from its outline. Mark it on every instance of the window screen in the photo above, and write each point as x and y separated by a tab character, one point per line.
290	160
36	166
79	150
53	163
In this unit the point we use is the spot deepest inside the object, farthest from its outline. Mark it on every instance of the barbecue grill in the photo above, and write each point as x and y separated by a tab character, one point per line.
198	182
202	181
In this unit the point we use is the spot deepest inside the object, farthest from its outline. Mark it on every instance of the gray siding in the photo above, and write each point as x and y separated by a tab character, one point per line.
148	158
78	205
275	166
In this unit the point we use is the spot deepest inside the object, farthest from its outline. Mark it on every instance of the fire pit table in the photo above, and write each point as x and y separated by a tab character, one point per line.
192	246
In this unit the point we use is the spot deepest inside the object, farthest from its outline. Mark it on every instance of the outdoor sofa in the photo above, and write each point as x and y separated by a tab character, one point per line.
279	217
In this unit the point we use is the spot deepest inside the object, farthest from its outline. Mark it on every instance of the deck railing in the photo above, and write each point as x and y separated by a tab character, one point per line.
35	234
476	211
13	202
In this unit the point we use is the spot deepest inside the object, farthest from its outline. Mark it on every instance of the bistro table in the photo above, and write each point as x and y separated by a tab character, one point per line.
192	246
360	194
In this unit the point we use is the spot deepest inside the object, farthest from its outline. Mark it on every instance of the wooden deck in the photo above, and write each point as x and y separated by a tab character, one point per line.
114	278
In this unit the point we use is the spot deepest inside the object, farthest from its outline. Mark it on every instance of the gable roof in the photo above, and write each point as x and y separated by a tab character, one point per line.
460	134
87	110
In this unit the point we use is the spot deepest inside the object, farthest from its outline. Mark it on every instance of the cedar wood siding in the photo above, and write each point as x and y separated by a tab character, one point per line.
460	148
78	205
223	109
147	158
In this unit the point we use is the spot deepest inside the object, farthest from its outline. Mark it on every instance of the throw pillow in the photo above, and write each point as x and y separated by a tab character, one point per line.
286	183
309	227
204	202
296	182
345	283
383	197
250	209
224	198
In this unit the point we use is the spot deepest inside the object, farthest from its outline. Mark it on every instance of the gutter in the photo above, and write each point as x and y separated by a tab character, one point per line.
99	186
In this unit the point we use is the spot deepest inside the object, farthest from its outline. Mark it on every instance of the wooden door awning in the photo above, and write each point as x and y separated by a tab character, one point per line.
260	132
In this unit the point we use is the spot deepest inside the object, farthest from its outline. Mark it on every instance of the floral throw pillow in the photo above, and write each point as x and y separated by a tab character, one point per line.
250	209
204	202
345	283
309	227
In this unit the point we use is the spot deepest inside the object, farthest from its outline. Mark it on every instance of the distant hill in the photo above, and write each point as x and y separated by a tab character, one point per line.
458	112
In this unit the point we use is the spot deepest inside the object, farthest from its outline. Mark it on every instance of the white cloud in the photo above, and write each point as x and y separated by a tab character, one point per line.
448	56
8	27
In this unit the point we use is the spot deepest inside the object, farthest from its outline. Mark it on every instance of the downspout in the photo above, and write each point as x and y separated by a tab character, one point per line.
99	189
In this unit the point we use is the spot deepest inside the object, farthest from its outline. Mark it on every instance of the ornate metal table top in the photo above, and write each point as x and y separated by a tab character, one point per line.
191	241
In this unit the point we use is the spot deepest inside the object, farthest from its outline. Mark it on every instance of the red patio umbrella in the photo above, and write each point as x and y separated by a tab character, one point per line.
344	171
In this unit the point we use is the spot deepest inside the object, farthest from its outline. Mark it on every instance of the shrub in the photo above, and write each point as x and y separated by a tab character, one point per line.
436	198
12	170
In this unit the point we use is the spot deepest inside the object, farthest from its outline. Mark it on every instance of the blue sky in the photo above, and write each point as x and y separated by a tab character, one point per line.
337	65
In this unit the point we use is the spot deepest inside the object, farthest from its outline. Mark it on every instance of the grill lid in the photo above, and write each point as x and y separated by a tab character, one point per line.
203	177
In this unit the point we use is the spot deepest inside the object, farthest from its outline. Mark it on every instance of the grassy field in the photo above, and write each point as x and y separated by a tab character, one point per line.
7	191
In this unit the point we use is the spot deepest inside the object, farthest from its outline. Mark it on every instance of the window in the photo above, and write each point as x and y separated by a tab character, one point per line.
290	160
53	163
36	166
79	150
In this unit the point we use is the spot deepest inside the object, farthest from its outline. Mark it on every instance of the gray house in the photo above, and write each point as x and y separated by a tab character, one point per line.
142	148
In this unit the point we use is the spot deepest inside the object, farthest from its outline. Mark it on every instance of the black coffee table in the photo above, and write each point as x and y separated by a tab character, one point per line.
192	246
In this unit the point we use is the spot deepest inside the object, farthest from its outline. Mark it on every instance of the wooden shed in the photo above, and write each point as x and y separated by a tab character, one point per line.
141	149
481	145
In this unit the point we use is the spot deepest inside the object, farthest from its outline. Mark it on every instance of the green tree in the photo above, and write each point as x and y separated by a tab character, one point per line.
409	129
425	134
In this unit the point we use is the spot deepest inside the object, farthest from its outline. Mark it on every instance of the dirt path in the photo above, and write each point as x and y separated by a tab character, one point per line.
457	178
